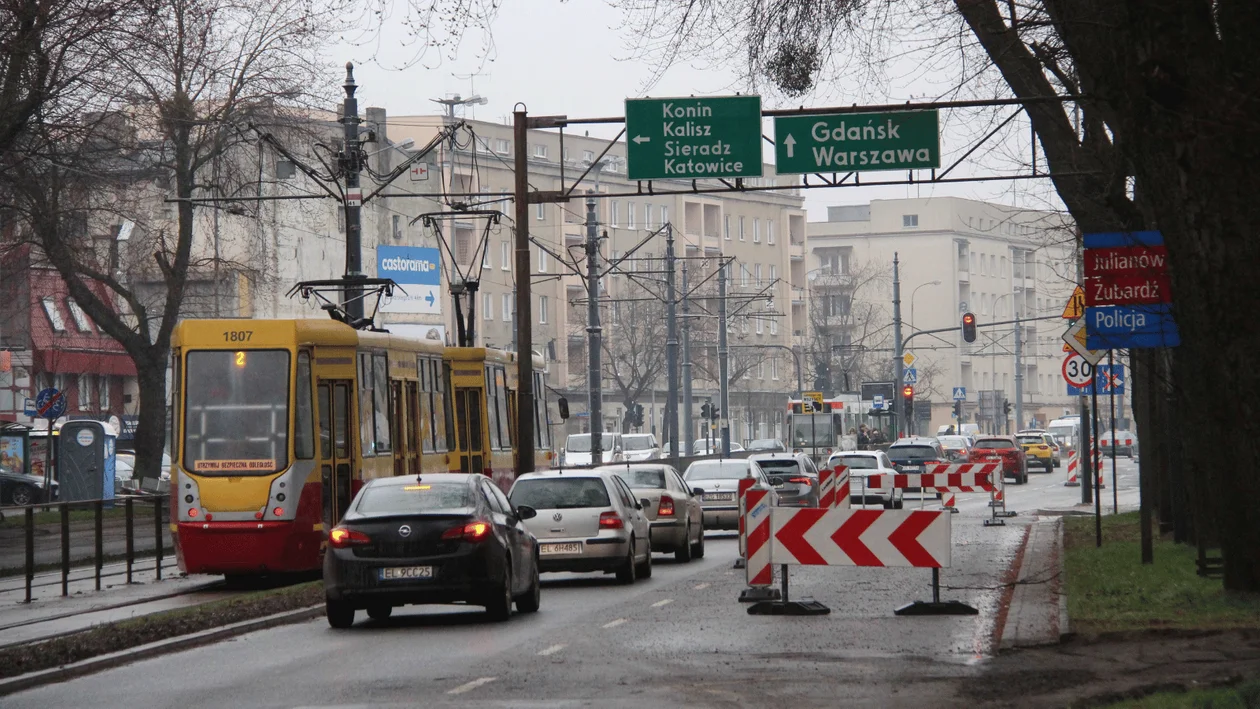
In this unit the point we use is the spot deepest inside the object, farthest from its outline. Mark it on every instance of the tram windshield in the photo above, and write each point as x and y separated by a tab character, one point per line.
236	412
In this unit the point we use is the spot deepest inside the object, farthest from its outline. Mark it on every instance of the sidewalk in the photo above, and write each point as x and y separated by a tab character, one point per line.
1038	608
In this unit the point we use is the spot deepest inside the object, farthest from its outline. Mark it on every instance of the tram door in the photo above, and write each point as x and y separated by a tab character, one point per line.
336	448
469	414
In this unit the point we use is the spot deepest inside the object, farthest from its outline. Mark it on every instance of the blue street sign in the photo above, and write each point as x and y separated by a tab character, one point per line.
1118	239
28	407
960	393
50	404
1124	326
911	376
1080	391
1104	380
877	402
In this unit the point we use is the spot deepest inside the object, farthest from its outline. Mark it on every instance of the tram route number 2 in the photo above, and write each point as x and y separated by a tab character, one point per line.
238	335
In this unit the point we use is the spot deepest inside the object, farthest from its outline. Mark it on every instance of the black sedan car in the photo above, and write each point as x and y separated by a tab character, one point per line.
430	539
21	489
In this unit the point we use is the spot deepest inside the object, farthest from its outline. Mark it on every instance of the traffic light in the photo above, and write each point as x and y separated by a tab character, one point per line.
638	415
907	395
705	412
1006	407
713	413
969	327
958	411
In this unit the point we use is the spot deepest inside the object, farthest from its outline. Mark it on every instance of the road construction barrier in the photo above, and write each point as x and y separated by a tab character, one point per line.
756	507
833	487
742	487
949	480
1073	471
846	537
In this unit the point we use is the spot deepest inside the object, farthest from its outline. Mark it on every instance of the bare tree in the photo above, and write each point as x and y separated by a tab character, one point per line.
185	81
848	325
634	358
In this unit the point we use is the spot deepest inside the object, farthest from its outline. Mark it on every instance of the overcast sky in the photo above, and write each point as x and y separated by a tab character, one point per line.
574	58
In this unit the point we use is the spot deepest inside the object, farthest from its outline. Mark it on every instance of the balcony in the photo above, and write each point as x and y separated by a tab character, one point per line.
796	251
833	280
798	296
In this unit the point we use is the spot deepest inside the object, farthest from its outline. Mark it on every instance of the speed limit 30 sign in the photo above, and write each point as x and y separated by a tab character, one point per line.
1077	371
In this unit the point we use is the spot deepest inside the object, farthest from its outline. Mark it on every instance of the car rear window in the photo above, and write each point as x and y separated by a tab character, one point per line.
993	444
644	478
419	498
560	493
717	470
637	443
912	453
779	467
861	462
1032	439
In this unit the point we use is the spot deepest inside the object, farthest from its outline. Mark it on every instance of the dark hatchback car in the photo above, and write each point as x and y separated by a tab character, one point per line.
22	489
912	455
430	539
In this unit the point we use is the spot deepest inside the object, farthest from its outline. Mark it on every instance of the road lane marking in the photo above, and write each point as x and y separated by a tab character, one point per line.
469	686
614	623
663	602
552	650
700	586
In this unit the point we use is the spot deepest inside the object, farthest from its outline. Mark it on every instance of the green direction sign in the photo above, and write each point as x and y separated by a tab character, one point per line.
693	138
854	142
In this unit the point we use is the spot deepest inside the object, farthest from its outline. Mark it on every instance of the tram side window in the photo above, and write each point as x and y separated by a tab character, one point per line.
542	434
445	406
373	404
303	434
507	416
493	413
175	389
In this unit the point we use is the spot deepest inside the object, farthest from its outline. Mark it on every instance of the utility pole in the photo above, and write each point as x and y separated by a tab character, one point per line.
1019	369
898	403
524	313
671	346
688	424
724	396
1084	459
594	332
351	162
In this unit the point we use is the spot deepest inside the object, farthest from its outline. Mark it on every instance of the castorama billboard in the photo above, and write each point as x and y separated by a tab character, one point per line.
418	269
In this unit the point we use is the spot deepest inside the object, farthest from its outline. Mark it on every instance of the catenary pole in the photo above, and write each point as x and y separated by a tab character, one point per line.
594	335
724	392
688	422
671	346
898	402
351	162
524	324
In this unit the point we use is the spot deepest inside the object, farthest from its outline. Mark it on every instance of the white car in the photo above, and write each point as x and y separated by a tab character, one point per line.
639	446
713	447
718	482
862	465
577	449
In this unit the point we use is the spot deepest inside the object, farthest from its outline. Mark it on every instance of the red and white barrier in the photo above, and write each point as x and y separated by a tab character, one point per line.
742	488
758	512
841	489
826	487
817	537
1073	471
967	477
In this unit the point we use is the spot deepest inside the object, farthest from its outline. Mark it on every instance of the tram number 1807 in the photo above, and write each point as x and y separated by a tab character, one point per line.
238	335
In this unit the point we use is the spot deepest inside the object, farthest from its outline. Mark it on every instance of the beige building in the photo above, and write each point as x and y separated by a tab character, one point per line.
955	255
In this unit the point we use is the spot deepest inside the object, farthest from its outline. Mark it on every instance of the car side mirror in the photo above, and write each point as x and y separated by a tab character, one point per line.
562	405
697	491
526	512
644	503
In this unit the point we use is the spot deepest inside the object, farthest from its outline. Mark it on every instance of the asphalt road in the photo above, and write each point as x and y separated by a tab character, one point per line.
678	639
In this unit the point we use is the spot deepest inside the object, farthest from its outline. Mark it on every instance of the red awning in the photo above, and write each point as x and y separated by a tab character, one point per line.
53	360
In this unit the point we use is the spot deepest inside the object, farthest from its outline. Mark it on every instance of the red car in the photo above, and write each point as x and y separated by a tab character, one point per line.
1008	450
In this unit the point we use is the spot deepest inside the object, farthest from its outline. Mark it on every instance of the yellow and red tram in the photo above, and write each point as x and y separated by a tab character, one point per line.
276	424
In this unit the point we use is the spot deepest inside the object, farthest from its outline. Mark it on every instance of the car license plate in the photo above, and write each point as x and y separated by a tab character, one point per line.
719	497
911	469
406	573
565	548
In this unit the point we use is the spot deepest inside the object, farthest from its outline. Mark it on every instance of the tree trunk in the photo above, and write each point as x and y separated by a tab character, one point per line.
151	429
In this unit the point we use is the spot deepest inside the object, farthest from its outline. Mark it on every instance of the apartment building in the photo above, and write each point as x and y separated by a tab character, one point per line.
955	255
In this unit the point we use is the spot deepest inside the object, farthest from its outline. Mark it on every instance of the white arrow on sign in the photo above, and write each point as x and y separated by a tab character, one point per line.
790	143
642	139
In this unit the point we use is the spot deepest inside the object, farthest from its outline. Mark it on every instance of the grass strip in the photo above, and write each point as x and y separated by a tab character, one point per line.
113	637
1110	590
1241	696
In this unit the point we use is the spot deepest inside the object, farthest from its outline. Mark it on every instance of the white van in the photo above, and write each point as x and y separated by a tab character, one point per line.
577	449
1067	431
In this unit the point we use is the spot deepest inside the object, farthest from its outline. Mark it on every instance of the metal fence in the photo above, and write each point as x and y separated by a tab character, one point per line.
142	526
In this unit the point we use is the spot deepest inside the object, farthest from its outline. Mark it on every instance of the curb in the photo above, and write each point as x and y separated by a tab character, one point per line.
155	649
1038	611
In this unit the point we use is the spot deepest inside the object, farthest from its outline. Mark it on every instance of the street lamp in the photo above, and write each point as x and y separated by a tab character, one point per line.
915	292
456	100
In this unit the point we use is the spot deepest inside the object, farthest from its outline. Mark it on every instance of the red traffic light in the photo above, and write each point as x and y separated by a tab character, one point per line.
969	319
908	392
969	327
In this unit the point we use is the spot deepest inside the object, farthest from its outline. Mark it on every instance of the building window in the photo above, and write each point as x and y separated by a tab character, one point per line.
630	214
774	325
760	325
487	306
542	310
761	369
726	227
774	273
741	228
485	257
542	261
505	256
614	213
102	385
588	156
540	151
774	367
80	318
756	231
647	216
770	232
85	392
757	272
1003	271
507	307
540	212
909	221
664	214
54	315
502	146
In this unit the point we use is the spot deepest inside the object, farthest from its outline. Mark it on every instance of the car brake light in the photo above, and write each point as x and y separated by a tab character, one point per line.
804	481
666	508
341	537
610	520
471	532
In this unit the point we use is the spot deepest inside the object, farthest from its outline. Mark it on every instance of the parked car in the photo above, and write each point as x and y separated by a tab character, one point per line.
577	449
442	538
587	521
862	465
766	445
674	513
793	476
639	446
1037	450
1008	451
21	489
718	481
955	447
910	455
1126	443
